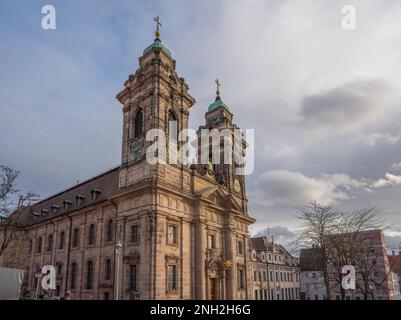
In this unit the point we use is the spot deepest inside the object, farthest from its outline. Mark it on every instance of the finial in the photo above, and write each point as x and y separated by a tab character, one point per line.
158	24
217	89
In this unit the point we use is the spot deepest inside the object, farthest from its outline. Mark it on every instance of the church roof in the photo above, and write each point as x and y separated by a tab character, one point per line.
157	44
217	104
105	185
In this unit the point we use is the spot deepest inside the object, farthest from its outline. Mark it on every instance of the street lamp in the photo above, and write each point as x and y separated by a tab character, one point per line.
119	247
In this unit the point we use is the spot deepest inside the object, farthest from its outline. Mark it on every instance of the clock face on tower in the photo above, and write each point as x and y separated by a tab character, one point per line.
237	186
136	149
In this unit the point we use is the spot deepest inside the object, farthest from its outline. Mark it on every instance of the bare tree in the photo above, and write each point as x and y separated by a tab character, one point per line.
342	239
317	222
12	203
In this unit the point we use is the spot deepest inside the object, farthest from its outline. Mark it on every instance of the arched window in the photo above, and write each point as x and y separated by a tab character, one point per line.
91	237
107	275
74	273
172	126
75	238
89	275
109	231
61	243
138	123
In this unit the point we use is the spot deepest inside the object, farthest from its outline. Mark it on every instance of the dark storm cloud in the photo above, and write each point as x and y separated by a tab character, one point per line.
345	107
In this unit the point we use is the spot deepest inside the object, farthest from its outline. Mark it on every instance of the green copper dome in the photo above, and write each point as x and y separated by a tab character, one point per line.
217	104
157	44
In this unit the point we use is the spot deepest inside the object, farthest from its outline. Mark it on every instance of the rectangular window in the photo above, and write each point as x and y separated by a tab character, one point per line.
172	235
211	241
61	243
256	294
240	248
241	282
271	275
172	278
134	233
74	271
132	278
49	242
75	238
255	276
39	245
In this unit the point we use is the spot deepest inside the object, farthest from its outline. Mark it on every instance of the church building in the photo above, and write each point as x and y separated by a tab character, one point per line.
142	230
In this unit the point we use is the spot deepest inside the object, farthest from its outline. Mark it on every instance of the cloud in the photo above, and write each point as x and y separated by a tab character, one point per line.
389	180
374	138
281	235
346	107
396	166
294	188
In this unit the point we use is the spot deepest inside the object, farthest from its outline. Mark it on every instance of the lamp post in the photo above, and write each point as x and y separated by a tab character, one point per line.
119	247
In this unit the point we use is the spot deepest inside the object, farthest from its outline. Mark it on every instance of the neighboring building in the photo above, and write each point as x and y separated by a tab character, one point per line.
184	231
395	267
374	261
275	272
312	284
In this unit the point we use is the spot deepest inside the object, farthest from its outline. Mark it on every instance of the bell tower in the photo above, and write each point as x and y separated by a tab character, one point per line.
219	117
154	97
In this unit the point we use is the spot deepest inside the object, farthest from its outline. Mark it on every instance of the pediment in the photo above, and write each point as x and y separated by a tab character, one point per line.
219	197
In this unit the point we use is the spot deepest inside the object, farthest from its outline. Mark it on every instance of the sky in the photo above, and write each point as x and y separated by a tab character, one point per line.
324	101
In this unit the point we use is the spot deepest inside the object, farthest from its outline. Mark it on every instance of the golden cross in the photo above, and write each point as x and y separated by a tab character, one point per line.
158	23
218	87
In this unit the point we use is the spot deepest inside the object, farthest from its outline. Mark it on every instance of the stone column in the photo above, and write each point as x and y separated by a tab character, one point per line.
200	270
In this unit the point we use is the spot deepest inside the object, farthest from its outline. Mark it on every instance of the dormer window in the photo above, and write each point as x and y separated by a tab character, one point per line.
55	208
36	215
79	199
67	204
44	212
95	193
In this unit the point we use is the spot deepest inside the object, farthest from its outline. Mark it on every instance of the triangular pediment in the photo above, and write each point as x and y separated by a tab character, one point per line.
219	197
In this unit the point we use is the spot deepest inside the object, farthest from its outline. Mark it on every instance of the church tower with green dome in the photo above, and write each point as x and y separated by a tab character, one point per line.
219	116
154	97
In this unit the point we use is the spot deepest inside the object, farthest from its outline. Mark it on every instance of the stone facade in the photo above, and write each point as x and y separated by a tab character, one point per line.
183	231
